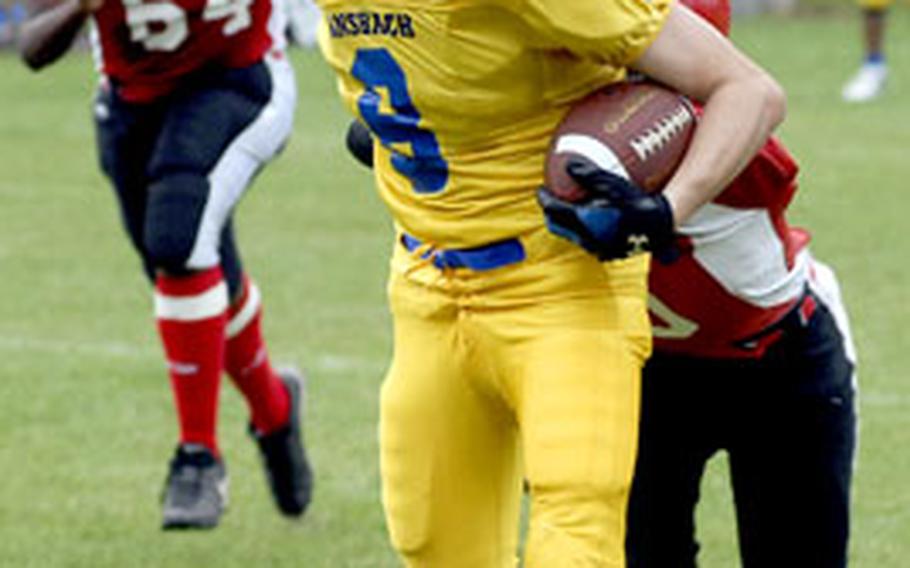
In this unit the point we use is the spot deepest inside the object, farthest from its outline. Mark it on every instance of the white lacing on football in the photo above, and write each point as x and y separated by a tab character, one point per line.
665	130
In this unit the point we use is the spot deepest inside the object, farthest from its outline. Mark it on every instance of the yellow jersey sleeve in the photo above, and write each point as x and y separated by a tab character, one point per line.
614	32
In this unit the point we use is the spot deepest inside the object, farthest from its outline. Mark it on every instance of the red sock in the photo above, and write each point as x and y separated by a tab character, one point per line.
247	362
192	316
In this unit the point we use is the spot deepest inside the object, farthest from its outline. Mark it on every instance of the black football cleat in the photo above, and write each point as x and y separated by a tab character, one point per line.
195	492
283	455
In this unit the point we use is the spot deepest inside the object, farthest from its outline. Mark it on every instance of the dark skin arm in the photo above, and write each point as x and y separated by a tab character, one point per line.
51	28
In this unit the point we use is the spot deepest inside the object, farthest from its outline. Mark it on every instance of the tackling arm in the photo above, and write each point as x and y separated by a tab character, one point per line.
743	104
50	29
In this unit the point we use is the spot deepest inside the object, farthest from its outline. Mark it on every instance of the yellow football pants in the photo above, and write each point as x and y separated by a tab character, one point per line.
533	370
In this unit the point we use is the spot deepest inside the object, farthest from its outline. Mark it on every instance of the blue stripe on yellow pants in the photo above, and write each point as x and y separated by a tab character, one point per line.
529	369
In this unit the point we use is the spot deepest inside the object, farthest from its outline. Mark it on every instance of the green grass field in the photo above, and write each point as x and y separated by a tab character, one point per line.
86	422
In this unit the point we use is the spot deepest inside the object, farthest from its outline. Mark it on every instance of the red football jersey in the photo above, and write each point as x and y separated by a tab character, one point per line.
145	47
741	269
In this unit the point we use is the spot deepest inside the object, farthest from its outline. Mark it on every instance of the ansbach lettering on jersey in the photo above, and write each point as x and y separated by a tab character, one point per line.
392	24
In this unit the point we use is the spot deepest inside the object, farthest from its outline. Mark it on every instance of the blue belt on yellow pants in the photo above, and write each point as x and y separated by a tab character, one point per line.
486	257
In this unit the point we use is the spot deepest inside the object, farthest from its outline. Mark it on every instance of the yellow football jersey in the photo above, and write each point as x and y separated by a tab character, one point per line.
464	96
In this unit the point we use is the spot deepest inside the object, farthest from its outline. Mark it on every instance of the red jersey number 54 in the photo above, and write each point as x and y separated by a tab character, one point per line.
162	26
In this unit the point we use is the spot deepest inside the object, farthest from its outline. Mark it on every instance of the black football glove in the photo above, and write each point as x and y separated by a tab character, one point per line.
618	220
360	143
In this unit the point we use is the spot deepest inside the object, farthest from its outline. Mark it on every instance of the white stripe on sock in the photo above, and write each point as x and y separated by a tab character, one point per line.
210	303
246	313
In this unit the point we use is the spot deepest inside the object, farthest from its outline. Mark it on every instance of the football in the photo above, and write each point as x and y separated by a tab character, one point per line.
639	130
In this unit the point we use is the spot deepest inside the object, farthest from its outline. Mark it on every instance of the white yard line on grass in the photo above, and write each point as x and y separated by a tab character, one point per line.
331	363
65	346
880	398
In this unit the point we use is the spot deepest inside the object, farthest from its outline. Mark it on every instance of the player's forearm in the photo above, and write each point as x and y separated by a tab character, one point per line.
48	34
737	120
743	105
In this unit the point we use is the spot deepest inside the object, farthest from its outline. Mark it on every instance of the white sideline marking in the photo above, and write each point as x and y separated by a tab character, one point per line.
330	363
885	399
64	346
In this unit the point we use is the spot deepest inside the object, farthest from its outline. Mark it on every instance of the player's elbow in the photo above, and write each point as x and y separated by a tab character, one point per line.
32	61
30	54
39	46
761	94
773	99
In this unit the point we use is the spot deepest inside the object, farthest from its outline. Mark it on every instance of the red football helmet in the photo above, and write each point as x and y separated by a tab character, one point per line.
717	12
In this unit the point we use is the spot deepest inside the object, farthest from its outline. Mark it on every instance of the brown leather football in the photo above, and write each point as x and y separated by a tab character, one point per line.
639	130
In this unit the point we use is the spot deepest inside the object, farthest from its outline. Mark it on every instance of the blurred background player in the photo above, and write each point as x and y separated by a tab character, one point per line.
194	99
869	81
12	14
752	355
505	334
303	21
